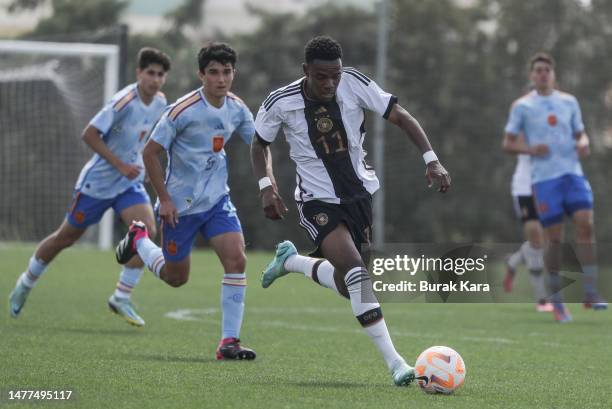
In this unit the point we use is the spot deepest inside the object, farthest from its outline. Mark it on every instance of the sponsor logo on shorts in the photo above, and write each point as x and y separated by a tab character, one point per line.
321	219
218	143
79	216
324	125
542	207
171	248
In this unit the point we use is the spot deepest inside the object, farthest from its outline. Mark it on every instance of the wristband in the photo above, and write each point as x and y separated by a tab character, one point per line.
264	183
429	156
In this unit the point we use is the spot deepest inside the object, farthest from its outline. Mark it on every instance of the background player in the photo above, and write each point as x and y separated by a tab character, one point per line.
531	251
554	135
112	178
321	115
195	195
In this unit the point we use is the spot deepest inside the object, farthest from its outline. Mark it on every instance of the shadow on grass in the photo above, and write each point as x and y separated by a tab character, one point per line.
169	358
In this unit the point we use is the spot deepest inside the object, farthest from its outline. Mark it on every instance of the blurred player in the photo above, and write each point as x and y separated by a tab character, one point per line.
322	116
556	140
194	196
112	178
531	251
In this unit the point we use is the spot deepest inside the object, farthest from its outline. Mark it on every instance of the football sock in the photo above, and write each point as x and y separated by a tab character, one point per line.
233	288
324	274
152	255
589	280
36	268
368	313
515	259
300	264
555	287
128	279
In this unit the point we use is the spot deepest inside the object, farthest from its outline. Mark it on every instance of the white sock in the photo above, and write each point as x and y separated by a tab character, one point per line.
36	268
152	255
300	264
538	284
367	311
323	274
128	279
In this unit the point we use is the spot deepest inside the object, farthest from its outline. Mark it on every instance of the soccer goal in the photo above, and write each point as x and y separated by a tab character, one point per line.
48	93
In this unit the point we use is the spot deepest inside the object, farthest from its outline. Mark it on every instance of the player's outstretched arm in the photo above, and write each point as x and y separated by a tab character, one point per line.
516	144
261	161
150	156
91	136
435	171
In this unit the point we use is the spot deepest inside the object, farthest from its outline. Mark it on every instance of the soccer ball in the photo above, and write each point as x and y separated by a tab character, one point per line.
440	370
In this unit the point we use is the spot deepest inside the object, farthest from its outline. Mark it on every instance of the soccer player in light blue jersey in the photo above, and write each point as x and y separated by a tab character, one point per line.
112	178
194	197
556	140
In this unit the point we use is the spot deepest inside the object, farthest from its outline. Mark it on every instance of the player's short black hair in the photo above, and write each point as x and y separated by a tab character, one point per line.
541	57
220	52
322	48
150	55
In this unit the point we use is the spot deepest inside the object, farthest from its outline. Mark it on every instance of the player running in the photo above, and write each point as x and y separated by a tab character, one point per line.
194	196
113	177
556	140
322	116
531	251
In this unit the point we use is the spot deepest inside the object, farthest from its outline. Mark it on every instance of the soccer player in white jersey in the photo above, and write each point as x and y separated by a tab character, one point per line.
113	177
531	252
322	116
194	196
556	140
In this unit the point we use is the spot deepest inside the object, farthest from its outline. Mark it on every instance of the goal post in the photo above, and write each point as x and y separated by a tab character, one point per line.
109	53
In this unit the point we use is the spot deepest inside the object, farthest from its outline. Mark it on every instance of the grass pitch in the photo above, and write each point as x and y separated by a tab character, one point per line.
311	351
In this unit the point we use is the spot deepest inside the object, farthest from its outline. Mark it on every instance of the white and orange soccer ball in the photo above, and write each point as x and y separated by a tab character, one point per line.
440	370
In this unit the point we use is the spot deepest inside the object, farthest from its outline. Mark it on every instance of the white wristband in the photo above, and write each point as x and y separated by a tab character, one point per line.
264	183
429	156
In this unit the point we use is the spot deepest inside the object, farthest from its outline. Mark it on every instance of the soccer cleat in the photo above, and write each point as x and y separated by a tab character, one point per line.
230	348
126	249
596	303
509	276
561	313
402	374
125	309
17	298
544	306
276	268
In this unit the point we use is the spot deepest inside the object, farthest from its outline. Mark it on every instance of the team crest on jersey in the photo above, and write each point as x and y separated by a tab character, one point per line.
552	120
79	216
172	247
142	135
218	143
321	219
324	125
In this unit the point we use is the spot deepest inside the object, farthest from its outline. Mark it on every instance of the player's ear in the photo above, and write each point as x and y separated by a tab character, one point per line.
200	75
305	68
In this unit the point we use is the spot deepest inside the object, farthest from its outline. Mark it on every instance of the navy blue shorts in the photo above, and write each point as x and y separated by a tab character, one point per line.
178	241
86	210
563	195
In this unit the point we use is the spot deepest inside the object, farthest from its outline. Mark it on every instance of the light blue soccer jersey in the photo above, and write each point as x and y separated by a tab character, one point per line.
552	120
194	133
124	123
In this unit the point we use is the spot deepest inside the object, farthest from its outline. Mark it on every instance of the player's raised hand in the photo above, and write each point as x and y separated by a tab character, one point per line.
583	147
168	212
435	172
273	205
130	171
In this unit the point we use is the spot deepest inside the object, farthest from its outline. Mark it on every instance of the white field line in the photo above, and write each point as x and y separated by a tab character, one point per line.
205	315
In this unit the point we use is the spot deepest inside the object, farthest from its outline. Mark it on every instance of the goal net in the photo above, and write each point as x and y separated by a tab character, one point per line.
48	93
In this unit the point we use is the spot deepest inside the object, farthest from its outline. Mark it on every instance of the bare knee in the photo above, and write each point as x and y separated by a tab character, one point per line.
175	280
152	229
236	263
584	232
64	240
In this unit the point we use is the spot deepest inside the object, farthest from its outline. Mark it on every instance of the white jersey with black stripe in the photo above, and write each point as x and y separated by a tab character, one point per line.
326	138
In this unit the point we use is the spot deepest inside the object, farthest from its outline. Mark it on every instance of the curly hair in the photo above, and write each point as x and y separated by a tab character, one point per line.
219	52
322	48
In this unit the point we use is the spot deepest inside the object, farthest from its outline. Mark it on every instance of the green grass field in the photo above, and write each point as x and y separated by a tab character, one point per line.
311	352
